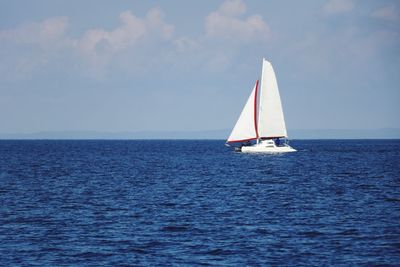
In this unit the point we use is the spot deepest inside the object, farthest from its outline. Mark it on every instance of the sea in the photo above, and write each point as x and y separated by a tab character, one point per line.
198	203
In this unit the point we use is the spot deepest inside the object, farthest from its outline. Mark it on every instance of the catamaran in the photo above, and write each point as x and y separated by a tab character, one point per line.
261	125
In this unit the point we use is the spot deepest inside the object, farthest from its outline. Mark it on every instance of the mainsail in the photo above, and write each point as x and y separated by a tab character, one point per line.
271	122
246	126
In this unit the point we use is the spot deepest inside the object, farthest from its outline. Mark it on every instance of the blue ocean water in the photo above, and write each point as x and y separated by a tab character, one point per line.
163	203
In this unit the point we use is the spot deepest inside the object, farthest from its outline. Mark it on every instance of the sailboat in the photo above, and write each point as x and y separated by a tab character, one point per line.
261	125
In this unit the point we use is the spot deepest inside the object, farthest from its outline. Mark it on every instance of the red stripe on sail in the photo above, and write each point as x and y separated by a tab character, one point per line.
255	110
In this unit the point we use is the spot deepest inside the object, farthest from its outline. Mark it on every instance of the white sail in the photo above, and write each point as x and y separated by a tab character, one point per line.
246	126
271	122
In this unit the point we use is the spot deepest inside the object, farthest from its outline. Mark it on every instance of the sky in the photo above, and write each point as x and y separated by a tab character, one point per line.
190	65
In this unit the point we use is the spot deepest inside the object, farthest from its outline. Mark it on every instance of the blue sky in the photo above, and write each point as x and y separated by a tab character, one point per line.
190	65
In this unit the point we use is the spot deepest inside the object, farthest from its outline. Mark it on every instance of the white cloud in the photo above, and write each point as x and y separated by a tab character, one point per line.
45	34
226	23
99	45
126	47
44	42
389	13
31	46
338	6
232	8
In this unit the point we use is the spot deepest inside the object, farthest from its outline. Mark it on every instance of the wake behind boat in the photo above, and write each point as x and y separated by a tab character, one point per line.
261	125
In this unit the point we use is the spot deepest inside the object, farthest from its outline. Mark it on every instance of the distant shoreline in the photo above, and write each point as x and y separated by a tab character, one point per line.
294	134
205	139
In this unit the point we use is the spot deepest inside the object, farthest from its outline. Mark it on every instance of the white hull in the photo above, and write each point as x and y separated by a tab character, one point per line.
267	146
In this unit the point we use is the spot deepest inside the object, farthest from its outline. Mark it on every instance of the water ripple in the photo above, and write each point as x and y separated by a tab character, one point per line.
163	203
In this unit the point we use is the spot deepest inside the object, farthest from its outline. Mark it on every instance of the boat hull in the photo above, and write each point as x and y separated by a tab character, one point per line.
267	147
252	149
